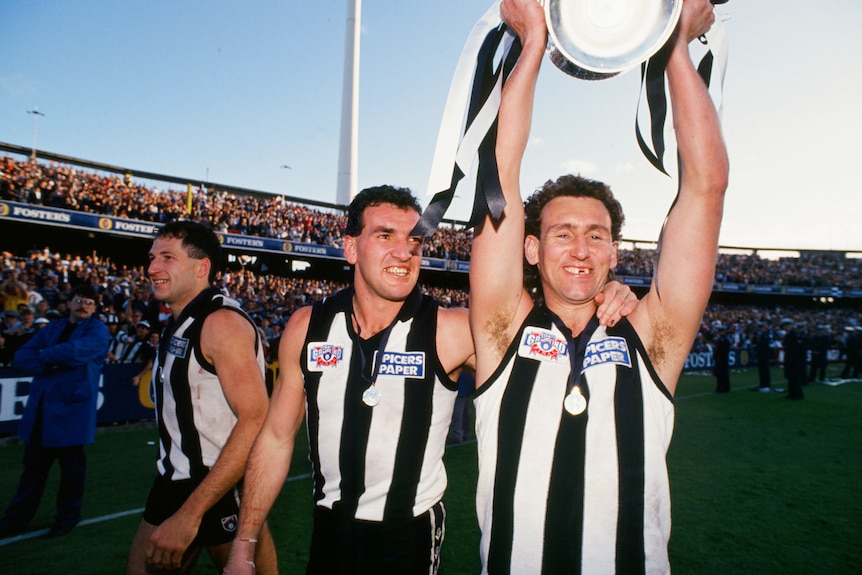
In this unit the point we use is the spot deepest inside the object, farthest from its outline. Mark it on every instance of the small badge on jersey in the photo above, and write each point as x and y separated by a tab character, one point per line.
230	523
543	345
323	356
178	346
607	350
403	364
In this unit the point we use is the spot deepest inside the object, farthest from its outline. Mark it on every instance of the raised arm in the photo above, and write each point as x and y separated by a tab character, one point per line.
227	340
498	300
669	316
270	457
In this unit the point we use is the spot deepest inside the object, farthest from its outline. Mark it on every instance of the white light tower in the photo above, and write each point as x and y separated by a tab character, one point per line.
35	113
347	150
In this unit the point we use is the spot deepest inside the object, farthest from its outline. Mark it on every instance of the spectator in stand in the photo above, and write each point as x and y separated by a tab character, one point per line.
9	322
119	338
143	301
153	343
71	188
17	336
49	290
139	350
33	295
13	292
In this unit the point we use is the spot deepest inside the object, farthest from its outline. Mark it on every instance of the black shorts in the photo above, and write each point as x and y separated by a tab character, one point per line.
345	546
218	525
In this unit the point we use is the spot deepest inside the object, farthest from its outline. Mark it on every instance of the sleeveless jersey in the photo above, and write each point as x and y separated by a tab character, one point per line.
193	416
585	493
386	461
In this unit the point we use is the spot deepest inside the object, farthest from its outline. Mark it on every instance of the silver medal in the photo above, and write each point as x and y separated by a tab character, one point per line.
575	403
371	396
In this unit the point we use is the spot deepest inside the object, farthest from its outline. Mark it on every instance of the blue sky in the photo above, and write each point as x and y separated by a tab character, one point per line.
230	91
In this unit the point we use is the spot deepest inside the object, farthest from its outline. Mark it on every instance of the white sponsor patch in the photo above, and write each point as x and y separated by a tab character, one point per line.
543	345
322	355
402	364
607	350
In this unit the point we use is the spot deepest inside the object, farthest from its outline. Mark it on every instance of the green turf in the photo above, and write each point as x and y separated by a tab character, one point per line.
760	485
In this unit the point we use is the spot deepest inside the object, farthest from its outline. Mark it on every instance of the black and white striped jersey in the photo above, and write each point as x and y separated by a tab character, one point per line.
382	461
563	491
193	416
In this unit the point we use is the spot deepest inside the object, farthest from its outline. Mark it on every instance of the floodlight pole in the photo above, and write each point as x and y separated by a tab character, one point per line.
35	113
285	167
347	153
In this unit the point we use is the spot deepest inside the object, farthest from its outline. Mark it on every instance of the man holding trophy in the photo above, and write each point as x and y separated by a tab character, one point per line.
574	419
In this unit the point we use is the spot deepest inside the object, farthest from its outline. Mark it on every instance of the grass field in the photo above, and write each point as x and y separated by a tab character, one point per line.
760	485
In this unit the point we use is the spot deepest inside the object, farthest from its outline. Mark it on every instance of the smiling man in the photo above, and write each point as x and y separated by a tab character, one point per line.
210	403
371	364
574	418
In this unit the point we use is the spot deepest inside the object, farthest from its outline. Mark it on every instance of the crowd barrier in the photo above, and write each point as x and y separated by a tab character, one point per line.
119	400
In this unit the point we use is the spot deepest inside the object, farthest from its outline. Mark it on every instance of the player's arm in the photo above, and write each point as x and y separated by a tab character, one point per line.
270	457
454	340
228	341
497	296
685	273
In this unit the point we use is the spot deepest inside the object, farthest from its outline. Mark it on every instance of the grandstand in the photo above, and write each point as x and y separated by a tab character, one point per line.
282	251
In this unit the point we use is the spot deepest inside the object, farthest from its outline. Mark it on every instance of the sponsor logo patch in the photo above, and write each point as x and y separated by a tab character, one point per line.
607	350
322	355
543	345
178	346
403	364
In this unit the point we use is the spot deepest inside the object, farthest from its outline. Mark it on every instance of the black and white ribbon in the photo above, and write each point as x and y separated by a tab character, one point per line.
711	55
488	57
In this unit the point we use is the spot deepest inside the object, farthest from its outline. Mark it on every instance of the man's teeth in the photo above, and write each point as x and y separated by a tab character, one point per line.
397	271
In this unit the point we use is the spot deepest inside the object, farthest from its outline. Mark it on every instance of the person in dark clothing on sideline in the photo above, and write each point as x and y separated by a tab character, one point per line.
764	358
819	349
721	357
66	357
794	360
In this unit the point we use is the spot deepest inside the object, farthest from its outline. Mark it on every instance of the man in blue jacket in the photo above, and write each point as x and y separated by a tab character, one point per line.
66	359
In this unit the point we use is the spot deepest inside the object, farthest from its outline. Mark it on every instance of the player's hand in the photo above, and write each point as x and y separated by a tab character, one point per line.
525	17
696	19
615	301
169	542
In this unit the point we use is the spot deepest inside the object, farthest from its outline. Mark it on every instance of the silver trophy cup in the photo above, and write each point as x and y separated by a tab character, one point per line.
599	39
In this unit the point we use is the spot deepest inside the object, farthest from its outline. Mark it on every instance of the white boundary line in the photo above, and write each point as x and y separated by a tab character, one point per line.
41	532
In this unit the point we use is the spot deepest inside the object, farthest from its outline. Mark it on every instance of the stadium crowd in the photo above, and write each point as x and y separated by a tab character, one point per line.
68	187
35	288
